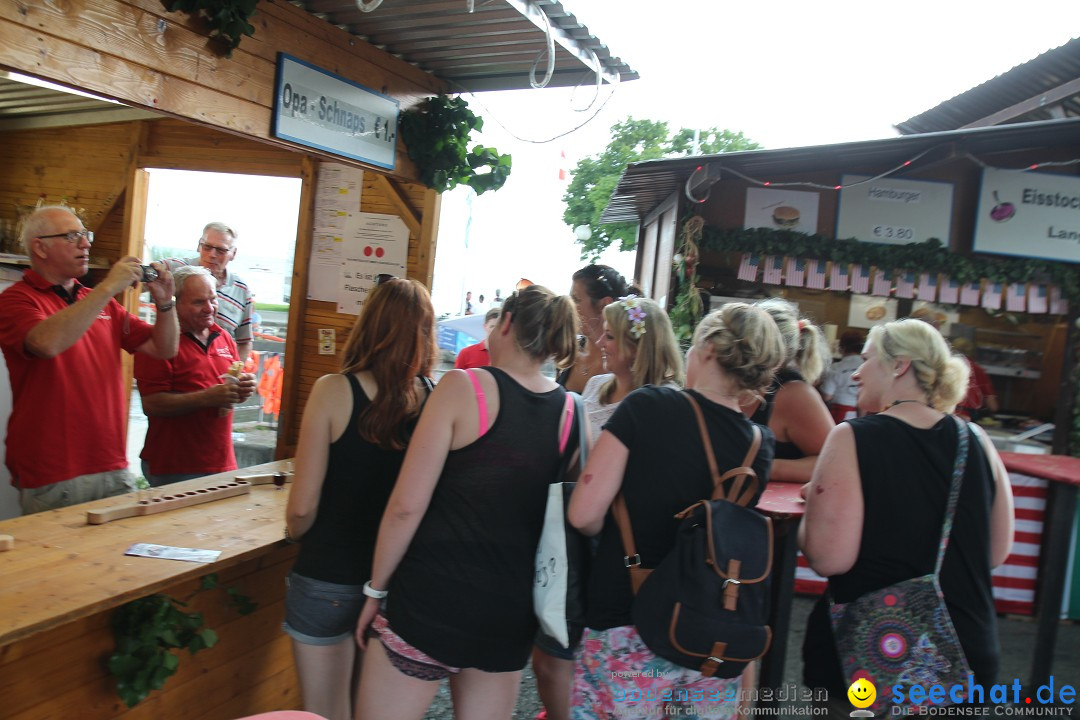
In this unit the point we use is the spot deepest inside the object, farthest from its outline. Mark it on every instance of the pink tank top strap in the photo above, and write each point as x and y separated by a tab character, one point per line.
568	410
481	402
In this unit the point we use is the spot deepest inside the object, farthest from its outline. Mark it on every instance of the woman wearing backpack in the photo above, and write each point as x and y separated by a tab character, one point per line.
456	549
651	450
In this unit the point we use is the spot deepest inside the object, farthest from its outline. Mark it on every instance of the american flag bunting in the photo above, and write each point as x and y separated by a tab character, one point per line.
1014	297
748	267
796	272
774	270
815	274
949	292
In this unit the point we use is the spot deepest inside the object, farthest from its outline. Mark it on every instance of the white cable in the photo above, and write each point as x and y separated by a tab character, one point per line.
599	83
367	6
550	50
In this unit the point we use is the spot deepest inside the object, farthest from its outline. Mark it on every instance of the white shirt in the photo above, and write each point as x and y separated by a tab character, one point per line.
838	384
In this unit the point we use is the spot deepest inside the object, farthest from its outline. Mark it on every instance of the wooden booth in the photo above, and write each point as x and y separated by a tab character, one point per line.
186	104
845	232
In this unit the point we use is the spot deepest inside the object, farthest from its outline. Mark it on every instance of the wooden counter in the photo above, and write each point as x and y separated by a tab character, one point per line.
64	576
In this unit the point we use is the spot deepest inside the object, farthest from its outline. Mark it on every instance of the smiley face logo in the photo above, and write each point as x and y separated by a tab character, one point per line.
862	693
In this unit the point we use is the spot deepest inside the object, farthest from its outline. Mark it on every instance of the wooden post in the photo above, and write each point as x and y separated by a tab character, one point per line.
429	232
289	425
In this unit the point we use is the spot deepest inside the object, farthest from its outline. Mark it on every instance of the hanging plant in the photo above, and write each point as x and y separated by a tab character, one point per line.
228	19
147	631
436	133
688	307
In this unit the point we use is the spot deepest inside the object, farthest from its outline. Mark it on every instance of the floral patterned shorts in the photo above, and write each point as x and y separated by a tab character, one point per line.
616	676
404	657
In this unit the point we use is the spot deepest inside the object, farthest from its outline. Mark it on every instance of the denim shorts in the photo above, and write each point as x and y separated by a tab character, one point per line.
319	612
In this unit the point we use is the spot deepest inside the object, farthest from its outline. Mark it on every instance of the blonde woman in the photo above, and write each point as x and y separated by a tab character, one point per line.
792	408
893	469
456	548
651	450
638	348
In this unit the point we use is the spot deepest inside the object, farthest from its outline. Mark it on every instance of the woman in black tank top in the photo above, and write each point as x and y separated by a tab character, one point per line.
456	548
875	506
792	407
352	442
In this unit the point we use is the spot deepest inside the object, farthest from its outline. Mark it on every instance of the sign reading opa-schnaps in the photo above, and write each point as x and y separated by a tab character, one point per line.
322	110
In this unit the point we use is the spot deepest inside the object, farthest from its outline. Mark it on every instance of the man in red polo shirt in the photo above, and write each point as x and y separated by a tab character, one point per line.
473	356
67	433
189	398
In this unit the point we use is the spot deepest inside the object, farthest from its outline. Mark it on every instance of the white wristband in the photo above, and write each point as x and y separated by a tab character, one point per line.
373	593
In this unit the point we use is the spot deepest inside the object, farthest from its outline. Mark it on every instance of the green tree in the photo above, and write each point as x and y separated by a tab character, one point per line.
595	177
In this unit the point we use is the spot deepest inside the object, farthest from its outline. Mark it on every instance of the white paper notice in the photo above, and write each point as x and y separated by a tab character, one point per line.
337	197
168	552
374	244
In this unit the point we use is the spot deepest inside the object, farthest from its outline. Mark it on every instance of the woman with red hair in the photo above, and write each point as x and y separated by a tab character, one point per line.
352	443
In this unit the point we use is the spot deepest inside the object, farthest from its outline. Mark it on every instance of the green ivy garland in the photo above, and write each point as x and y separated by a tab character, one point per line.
228	19
927	256
436	134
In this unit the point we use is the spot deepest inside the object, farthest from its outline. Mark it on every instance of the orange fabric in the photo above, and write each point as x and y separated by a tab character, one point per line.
251	365
270	384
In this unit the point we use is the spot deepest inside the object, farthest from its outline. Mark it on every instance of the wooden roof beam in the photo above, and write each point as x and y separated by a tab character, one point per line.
1035	102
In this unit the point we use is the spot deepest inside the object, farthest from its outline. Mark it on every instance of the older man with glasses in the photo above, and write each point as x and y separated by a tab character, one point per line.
67	433
217	247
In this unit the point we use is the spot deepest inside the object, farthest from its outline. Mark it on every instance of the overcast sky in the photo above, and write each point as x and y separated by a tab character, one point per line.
784	73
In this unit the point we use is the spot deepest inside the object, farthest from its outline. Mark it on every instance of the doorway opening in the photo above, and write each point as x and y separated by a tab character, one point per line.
264	211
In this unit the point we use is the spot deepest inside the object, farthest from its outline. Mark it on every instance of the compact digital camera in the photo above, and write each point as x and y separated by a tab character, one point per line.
149	274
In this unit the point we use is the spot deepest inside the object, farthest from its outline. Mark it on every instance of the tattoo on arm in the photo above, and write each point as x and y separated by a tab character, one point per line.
818	490
585	480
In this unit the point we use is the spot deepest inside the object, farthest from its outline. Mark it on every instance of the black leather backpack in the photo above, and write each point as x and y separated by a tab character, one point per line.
706	605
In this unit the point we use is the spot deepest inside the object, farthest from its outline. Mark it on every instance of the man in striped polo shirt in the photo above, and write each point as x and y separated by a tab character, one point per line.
217	247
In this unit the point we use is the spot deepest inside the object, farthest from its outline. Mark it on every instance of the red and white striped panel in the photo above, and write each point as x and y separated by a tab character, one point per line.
1014	582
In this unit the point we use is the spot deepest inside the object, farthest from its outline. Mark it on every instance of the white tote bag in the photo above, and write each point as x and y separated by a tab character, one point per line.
563	554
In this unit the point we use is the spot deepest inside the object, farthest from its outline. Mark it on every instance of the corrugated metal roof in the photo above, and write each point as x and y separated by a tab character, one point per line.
643	186
1026	81
24	105
492	48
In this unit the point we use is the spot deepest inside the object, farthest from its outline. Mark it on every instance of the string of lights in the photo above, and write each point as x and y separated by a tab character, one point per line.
688	191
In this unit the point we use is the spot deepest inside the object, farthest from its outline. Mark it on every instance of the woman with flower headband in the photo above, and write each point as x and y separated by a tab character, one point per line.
651	452
792	407
594	288
638	348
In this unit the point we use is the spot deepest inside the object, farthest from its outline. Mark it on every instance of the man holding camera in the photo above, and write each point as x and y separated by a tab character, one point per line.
66	437
217	247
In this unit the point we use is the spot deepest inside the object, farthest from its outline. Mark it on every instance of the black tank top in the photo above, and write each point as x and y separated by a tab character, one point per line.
785	450
359	478
463	591
905	474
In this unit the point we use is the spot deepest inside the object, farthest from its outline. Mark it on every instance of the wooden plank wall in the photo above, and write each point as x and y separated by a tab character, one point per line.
419	206
92	166
85	166
61	673
136	52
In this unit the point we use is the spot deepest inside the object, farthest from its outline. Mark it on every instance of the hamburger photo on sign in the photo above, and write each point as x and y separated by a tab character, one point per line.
781	210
